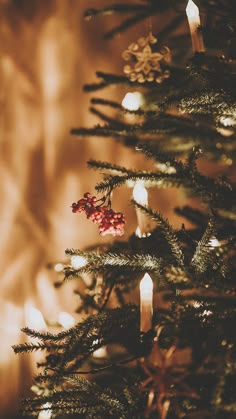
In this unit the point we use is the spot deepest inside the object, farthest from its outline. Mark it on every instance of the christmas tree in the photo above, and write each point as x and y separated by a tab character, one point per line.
160	306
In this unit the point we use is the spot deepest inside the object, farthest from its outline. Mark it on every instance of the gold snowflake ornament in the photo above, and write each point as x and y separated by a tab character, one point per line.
146	65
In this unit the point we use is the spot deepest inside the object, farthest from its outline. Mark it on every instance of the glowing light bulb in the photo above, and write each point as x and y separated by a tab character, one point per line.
192	13
132	101
227	121
100	352
66	320
45	414
59	267
214	242
228	125
78	262
146	303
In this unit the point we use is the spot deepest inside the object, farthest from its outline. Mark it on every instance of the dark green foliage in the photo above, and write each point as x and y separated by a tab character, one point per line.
88	400
188	118
167	230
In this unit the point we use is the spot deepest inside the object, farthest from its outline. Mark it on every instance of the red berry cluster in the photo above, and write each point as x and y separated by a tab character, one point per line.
110	222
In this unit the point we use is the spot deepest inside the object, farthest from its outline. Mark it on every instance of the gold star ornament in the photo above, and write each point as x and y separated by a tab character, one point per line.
146	65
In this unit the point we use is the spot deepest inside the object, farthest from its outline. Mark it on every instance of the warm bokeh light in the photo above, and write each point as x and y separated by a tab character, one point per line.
34	318
100	352
47	413
66	320
78	262
58	267
133	101
214	242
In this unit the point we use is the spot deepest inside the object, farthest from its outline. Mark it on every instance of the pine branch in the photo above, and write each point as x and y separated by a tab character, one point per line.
116	8
30	347
98	330
169	161
87	399
110	167
140	12
109	261
127	24
167	230
151	179
203	251
210	101
46	335
116	105
111	121
106	102
108	79
177	275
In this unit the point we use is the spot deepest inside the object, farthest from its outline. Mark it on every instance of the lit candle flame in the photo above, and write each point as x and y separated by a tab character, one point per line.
140	193
146	303
192	13
66	320
192	10
132	101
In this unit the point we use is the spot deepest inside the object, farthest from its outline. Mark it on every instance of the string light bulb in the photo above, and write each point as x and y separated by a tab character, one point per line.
78	262
46	413
133	101
34	318
66	320
214	242
58	267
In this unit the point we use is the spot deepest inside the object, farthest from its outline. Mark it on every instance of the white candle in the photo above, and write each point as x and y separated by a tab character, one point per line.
146	303
192	13
140	195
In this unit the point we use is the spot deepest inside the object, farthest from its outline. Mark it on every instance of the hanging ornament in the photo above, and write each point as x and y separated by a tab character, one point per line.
146	64
164	380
